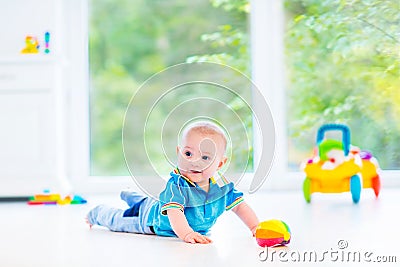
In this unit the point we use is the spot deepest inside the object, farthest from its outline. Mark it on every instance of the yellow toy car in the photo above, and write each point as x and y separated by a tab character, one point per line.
338	168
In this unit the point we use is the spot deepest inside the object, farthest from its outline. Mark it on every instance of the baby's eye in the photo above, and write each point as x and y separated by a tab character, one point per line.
188	153
205	157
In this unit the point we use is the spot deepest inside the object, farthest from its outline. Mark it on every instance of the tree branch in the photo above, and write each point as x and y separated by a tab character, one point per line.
381	30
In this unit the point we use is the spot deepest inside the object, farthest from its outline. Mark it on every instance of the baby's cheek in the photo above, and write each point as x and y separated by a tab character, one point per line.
182	161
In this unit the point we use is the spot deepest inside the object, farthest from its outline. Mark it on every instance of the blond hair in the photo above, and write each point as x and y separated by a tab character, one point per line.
205	128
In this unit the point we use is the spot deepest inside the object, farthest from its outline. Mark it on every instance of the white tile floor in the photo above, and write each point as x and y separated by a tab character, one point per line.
58	236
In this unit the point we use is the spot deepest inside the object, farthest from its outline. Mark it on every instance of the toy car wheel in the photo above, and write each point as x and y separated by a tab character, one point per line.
355	188
307	189
376	185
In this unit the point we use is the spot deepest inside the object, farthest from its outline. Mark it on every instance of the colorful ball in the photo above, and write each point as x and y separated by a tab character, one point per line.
272	233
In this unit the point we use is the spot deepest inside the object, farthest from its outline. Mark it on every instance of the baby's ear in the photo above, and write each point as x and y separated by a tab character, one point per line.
222	162
177	150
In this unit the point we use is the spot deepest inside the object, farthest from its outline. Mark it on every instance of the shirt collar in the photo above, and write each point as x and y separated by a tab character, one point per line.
218	187
177	172
212	179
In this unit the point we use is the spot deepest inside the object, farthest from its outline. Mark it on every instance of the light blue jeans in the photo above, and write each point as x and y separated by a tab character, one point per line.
133	220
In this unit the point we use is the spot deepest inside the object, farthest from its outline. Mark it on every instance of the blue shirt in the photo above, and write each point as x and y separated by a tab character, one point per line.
201	208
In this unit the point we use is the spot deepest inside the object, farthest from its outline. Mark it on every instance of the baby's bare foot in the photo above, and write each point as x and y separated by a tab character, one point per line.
87	221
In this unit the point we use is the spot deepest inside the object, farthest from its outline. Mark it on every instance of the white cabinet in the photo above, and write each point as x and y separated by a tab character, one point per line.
44	119
30	151
32	108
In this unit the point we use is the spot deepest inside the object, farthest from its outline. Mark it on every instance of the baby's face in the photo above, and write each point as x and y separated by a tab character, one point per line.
200	156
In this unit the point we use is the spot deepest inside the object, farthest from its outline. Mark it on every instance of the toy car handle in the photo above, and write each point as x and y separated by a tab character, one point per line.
336	127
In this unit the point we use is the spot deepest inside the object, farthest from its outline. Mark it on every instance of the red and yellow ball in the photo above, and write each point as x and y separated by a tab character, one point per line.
272	233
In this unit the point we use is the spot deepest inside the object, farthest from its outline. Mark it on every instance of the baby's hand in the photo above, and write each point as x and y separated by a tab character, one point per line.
195	237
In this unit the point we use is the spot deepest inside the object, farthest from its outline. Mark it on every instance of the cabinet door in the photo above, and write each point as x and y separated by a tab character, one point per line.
28	157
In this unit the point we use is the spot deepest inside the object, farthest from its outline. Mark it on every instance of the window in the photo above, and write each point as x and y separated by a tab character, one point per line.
129	41
315	62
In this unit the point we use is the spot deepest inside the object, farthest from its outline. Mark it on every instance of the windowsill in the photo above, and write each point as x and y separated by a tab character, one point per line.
290	181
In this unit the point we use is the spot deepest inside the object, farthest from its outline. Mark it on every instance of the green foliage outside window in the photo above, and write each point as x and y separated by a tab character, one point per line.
343	63
131	40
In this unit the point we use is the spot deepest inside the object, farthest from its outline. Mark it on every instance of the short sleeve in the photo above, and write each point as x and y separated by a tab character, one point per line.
172	197
234	198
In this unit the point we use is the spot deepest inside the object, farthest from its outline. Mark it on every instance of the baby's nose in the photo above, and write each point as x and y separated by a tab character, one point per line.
195	162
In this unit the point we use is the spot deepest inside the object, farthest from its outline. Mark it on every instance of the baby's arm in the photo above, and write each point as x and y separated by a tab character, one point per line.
247	215
182	229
